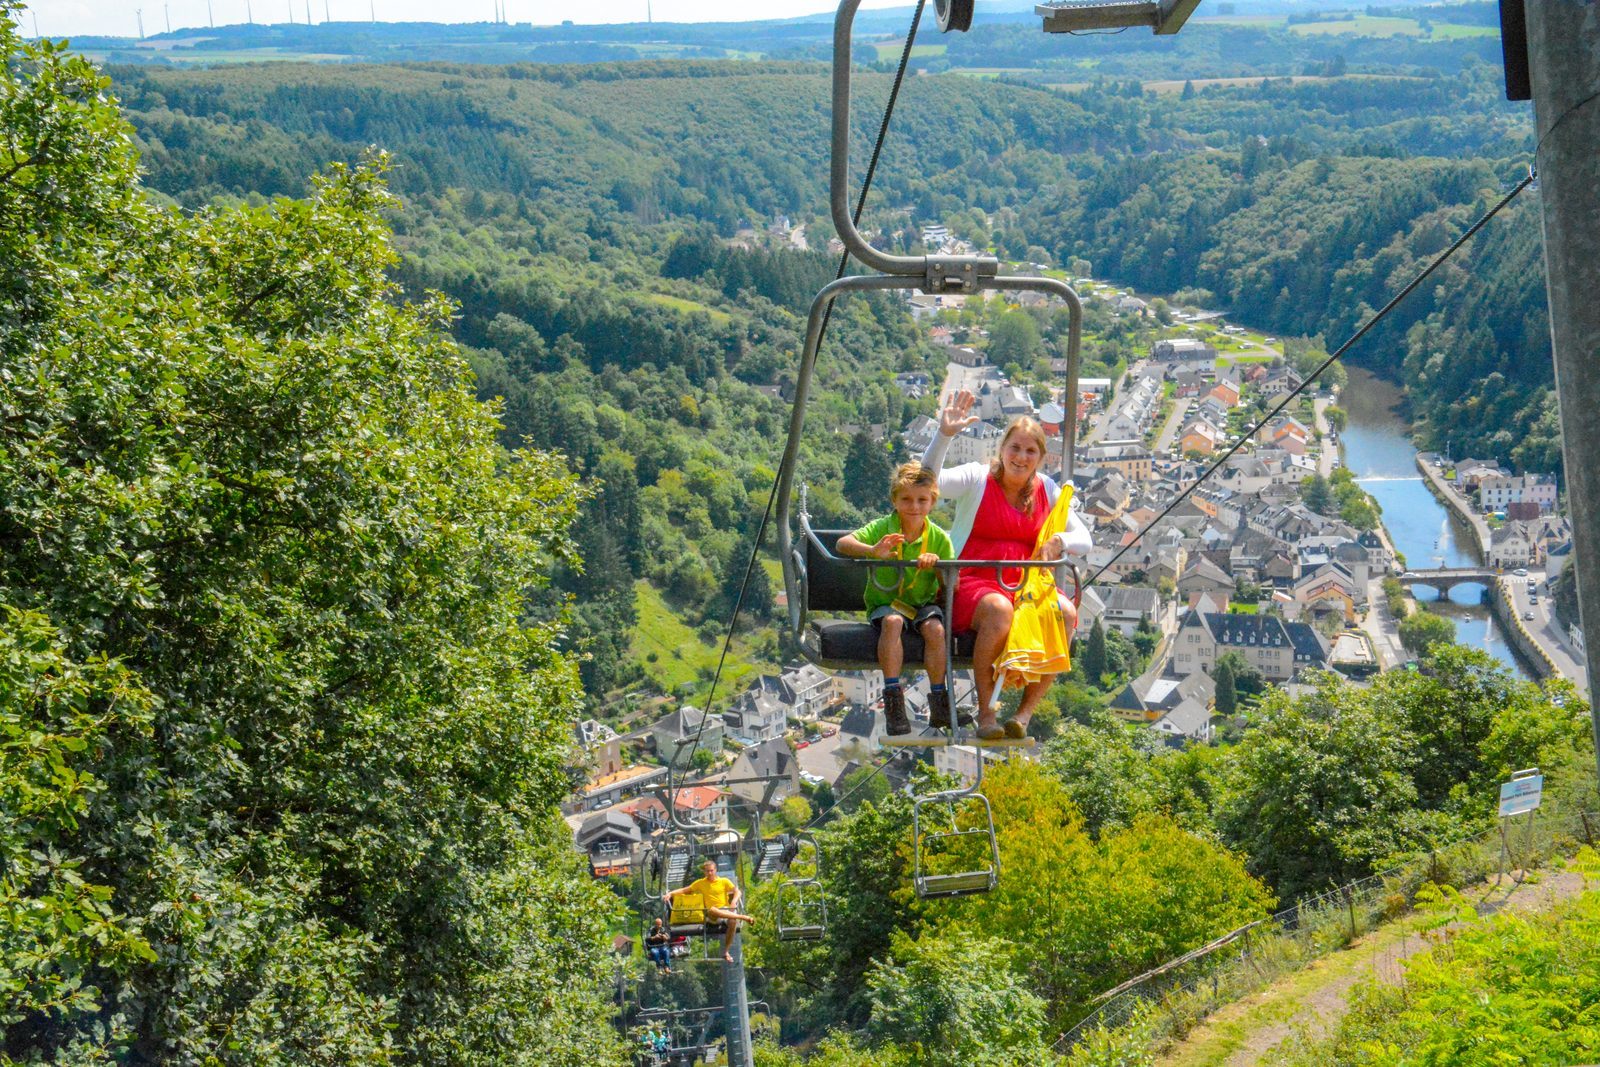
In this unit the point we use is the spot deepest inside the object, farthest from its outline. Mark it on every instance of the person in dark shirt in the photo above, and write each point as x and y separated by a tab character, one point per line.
656	944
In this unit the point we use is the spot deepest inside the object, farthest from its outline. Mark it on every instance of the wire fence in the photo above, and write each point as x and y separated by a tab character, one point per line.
1168	1001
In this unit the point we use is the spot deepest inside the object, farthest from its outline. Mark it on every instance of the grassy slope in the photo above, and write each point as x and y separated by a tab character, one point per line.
1313	998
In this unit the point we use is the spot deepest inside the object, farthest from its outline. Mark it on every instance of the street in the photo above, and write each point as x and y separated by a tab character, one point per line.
1543	626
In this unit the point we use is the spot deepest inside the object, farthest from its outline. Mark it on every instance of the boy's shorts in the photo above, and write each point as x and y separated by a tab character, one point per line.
925	614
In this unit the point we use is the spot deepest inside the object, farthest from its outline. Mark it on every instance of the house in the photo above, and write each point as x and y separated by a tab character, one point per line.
809	688
1200	436
961	761
1280	380
962	356
758	715
1182	348
1152	695
1189	383
601	747
604	790
976	444
1122	607
1512	546
860	689
1105	499
1204	576
1226	391
1470	473
686	731
610	838
775	763
1276	648
1328	589
861	723
1189	721
1129	458
703	805
1131	305
1496	491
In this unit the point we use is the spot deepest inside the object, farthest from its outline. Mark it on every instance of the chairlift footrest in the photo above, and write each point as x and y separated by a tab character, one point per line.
941	741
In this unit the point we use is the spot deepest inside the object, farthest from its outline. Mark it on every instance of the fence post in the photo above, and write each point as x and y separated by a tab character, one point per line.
1588	835
1350	906
1433	865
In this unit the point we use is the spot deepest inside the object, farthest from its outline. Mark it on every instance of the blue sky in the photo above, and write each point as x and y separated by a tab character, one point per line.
61	18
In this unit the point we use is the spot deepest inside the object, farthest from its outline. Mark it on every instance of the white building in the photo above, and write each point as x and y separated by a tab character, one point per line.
1497	491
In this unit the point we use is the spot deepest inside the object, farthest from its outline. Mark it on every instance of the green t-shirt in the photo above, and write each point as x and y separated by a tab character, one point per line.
911	587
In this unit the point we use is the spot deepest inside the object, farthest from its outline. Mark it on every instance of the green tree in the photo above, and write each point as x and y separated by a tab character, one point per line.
1095	662
1227	695
953	1000
1422	630
256	516
866	474
1317	495
1014	339
1319	790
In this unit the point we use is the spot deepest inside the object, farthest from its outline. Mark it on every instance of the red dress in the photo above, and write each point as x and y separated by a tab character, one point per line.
999	531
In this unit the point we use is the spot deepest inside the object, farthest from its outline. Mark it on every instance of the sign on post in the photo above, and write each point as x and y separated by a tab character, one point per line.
1521	794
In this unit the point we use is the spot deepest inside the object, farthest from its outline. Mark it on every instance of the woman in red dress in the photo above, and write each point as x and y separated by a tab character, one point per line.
1000	509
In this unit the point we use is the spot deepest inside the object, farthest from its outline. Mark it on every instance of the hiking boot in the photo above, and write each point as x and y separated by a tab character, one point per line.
939	711
895	722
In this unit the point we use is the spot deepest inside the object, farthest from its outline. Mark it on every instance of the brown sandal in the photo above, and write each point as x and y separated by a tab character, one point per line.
1016	729
993	732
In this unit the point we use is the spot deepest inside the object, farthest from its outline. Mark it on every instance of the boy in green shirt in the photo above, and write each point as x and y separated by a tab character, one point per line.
897	598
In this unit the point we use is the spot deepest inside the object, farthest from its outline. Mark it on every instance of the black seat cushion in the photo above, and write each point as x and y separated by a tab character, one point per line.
853	643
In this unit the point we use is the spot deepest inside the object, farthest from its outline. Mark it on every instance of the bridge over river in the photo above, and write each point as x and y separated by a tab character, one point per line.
1444	579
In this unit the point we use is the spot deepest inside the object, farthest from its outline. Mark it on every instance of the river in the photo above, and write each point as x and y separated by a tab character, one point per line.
1377	448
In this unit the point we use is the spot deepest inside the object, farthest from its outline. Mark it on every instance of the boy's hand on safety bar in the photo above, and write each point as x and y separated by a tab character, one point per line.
926	560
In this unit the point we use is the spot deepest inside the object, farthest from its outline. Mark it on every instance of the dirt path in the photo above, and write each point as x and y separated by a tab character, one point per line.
1314	998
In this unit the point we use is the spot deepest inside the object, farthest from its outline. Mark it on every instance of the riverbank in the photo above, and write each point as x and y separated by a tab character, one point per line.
1433	477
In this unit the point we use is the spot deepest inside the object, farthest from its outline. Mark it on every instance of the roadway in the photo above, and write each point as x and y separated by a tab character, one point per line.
1173	425
1549	634
1382	628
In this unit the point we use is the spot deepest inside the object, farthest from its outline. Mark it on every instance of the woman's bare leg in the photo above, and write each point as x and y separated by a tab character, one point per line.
992	620
1031	696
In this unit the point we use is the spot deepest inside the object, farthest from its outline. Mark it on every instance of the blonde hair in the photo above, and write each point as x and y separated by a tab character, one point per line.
1025	425
914	475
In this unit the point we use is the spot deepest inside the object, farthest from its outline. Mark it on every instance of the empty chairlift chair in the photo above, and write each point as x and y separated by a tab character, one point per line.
801	905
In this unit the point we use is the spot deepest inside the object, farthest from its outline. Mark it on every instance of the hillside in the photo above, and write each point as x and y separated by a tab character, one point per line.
547	201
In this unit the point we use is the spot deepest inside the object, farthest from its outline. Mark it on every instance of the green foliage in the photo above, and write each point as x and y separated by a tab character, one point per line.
269	570
952	999
1319	790
1421	632
1509	989
1227	694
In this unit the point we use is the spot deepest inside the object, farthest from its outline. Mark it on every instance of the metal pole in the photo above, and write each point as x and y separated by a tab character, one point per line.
736	1008
1564	63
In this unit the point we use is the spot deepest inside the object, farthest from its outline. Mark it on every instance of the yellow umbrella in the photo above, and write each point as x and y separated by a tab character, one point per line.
1039	644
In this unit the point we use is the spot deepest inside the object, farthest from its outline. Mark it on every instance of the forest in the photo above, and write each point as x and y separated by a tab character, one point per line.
581	219
349	415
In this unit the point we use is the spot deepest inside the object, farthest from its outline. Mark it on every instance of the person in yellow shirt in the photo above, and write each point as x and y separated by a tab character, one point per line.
721	897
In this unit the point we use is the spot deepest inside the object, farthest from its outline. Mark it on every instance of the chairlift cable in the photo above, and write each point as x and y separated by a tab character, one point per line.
844	262
1324	365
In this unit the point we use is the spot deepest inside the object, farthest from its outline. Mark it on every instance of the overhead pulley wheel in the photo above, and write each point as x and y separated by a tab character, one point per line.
954	15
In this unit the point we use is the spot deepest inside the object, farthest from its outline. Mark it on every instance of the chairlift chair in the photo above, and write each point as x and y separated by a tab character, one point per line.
945	837
801	906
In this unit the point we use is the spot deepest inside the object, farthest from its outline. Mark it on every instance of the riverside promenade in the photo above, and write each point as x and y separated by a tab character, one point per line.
1433	475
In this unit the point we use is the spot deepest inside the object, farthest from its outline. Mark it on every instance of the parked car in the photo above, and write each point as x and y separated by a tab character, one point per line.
1521	572
1528	615
801	744
829	731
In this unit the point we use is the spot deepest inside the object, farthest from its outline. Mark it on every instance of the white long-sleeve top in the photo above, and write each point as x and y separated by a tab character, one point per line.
963	486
